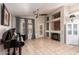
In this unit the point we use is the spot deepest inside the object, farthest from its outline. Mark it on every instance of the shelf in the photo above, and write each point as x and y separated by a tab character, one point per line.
55	31
56	19
52	31
47	31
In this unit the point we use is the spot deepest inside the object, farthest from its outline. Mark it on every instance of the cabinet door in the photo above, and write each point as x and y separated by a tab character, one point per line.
75	31
69	29
75	34
68	33
72	33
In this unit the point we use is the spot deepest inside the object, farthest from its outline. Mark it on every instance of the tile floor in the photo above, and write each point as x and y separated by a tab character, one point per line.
45	47
48	47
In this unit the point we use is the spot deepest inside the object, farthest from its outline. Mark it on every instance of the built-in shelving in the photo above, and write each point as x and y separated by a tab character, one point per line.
56	15
47	27
55	32
53	26
47	23
55	22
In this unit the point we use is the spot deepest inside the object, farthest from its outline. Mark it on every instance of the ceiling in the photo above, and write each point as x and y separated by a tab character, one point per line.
26	9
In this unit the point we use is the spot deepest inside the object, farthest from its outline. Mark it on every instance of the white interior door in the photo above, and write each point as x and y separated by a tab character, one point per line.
72	33
41	30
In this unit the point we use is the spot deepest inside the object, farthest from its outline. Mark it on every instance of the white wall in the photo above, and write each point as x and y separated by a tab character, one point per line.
39	21
74	8
64	13
13	22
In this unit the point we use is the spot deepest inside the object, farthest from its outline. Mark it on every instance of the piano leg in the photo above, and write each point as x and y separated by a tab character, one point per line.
8	50
14	51
19	50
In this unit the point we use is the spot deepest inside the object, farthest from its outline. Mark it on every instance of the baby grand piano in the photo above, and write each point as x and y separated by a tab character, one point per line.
9	43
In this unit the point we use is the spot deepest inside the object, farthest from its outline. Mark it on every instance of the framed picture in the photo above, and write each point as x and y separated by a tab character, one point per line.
5	16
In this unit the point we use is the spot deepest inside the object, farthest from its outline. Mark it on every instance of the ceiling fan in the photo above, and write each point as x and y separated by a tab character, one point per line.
37	14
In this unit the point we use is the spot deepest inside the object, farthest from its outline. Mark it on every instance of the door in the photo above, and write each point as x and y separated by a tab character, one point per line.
41	30
72	33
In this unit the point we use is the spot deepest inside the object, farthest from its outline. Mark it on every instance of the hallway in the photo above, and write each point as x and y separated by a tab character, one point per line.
48	46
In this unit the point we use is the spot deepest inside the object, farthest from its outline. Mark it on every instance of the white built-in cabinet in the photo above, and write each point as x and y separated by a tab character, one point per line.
72	33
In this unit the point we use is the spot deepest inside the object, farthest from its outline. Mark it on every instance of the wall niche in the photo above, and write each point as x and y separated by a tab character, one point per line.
57	25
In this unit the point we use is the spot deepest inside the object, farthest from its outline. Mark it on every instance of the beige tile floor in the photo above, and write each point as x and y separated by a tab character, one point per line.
48	47
45	47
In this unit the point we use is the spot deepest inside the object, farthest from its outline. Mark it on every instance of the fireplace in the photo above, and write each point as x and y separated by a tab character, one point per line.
55	36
